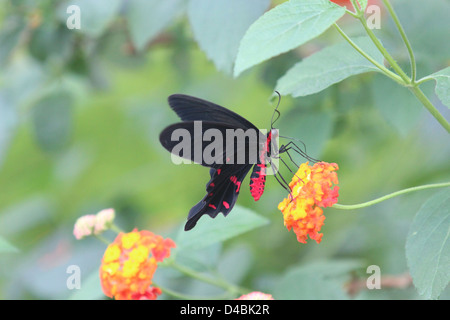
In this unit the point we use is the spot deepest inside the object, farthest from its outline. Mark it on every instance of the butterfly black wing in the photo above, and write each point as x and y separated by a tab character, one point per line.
222	193
190	108
180	139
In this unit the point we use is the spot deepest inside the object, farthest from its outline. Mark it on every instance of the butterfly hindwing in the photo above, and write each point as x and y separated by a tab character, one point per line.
222	193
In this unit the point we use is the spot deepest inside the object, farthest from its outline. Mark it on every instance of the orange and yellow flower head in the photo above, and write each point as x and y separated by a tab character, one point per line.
129	263
311	190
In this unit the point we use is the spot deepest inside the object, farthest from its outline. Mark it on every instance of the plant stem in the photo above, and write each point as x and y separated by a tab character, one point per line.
384	52
430	107
412	59
386	71
102	239
401	77
389	196
116	228
424	79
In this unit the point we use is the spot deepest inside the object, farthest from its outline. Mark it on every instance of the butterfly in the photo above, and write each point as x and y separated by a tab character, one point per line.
229	163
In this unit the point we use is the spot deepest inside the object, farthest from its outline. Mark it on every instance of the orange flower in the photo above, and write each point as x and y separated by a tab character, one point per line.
348	3
129	263
256	295
342	2
311	189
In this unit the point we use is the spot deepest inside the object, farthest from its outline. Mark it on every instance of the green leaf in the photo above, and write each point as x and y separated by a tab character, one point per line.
8	122
315	128
318	281
146	18
208	231
397	104
327	67
95	16
442	90
6	247
426	42
235	263
219	26
10	33
52	120
428	246
284	28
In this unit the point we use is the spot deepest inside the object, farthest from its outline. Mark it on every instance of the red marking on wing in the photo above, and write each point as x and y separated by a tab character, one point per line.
236	182
226	204
212	206
218	171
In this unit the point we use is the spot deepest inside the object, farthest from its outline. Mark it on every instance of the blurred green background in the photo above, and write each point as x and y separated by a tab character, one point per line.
80	116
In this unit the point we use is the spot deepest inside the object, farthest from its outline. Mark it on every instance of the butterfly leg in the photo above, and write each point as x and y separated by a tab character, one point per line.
294	147
280	179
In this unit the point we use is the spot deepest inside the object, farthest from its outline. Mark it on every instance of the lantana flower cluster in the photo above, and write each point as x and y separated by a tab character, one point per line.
256	295
129	263
348	3
311	190
93	224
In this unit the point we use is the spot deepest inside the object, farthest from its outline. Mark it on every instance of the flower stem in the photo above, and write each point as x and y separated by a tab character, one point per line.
400	76
430	107
102	239
116	228
389	196
424	79
382	68
384	52
412	59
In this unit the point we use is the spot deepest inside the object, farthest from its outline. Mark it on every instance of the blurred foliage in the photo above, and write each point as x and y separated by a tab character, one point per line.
80	116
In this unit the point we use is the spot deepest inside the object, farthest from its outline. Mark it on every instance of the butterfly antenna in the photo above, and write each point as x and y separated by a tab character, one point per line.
276	111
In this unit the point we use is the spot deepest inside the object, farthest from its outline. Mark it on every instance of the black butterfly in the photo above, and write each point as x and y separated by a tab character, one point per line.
227	172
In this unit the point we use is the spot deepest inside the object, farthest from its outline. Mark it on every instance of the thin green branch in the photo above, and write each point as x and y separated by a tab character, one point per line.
354	14
412	58
430	107
357	6
389	196
116	228
102	239
401	77
424	79
386	71
384	52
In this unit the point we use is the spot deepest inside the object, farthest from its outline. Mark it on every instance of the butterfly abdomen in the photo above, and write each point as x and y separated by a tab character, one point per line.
258	176
258	181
